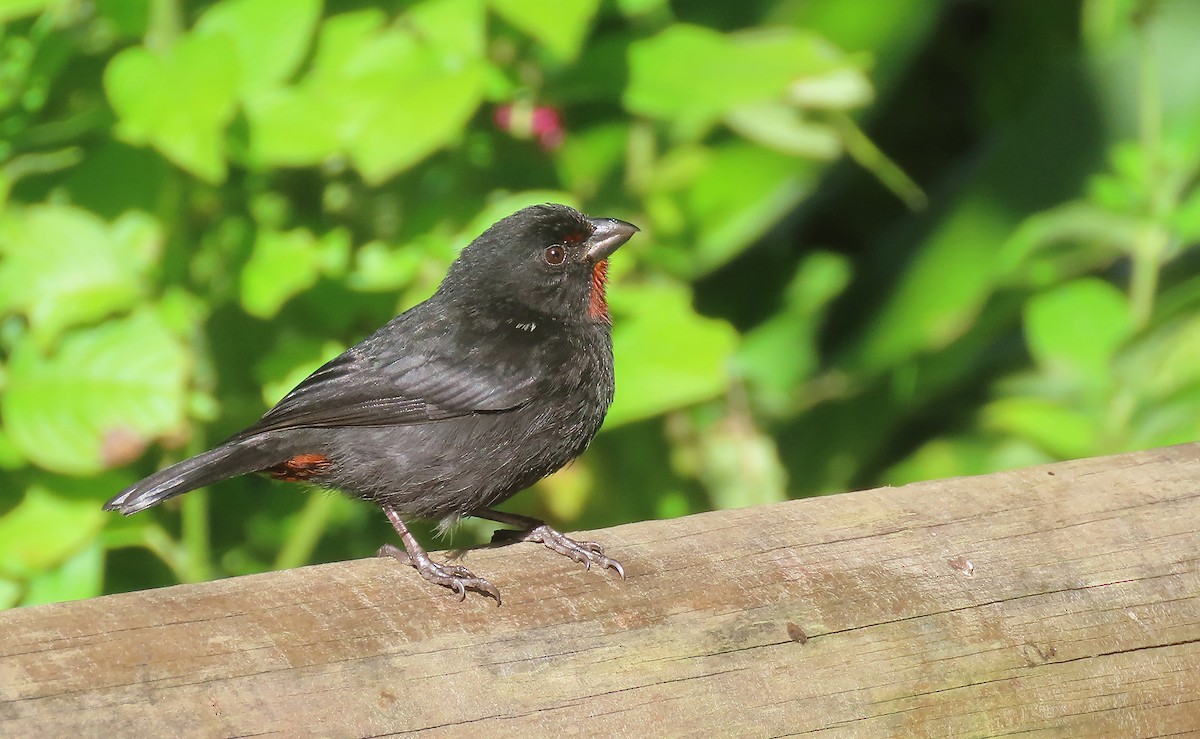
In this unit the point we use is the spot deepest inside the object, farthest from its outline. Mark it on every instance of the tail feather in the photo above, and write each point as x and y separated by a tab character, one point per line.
225	461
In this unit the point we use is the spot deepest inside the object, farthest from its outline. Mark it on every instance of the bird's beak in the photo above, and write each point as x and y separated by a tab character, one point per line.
608	236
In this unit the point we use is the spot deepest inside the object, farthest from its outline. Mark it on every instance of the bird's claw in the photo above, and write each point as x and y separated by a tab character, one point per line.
456	577
587	553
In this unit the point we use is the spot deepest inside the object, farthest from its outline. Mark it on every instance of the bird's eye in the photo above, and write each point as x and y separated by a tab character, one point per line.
555	255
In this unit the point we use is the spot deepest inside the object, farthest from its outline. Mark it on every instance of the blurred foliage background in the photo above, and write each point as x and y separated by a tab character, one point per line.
881	242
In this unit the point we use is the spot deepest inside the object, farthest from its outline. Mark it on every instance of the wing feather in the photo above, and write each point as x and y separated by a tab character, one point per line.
376	383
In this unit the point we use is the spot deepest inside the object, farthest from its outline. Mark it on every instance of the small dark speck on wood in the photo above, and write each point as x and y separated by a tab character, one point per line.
796	634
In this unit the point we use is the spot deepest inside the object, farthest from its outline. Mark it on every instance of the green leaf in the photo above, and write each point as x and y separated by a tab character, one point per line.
292	360
14	9
179	101
507	205
405	100
340	38
1077	328
560	27
634	8
1185	220
95	402
739	465
269	44
10	456
379	267
44	529
286	263
838	89
1064	242
1065	433
744	191
1167	421
696	75
1164	362
129	18
10	593
957	457
667	355
291	127
302	125
81	576
928	310
454	26
62	266
591	154
777	375
782	128
386	98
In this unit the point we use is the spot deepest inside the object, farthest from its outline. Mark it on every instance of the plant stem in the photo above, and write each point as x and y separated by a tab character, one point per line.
160	543
298	548
164	25
196	544
1150	246
1143	285
871	158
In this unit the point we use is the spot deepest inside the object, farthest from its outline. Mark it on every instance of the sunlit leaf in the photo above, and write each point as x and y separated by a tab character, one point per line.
956	457
1063	432
408	101
10	592
180	100
936	298
667	355
292	127
560	26
744	191
44	529
62	266
1063	242
99	397
10	456
739	465
1164	361
783	128
457	26
382	267
269	44
286	263
292	360
1167	421
13	9
1076	328
387	97
838	89
778	356
81	576
699	74
506	206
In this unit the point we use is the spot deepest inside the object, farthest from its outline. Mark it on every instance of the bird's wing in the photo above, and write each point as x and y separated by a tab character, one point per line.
368	387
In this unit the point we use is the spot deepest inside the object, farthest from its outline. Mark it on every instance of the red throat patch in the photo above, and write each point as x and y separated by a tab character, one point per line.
300	467
598	301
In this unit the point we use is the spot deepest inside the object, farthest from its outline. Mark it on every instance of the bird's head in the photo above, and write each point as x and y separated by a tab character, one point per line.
548	259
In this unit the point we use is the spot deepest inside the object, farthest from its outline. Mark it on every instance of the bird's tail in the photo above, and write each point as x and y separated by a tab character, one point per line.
236	457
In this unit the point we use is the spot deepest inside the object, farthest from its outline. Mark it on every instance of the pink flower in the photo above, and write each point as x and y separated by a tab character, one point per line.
524	121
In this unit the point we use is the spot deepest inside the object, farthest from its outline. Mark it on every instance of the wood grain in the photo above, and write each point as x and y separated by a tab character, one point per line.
1052	601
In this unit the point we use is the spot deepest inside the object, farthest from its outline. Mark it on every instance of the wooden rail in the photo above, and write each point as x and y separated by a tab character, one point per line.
1059	601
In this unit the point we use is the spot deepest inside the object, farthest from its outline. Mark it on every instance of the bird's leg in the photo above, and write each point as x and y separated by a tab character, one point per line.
531	529
459	579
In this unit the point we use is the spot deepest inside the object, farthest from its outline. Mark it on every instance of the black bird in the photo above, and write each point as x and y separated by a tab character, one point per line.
499	379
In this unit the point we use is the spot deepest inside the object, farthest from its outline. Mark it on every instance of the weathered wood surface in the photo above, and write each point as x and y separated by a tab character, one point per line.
1052	601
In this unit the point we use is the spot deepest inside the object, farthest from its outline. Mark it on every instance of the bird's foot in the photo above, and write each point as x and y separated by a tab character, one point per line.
586	552
457	578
